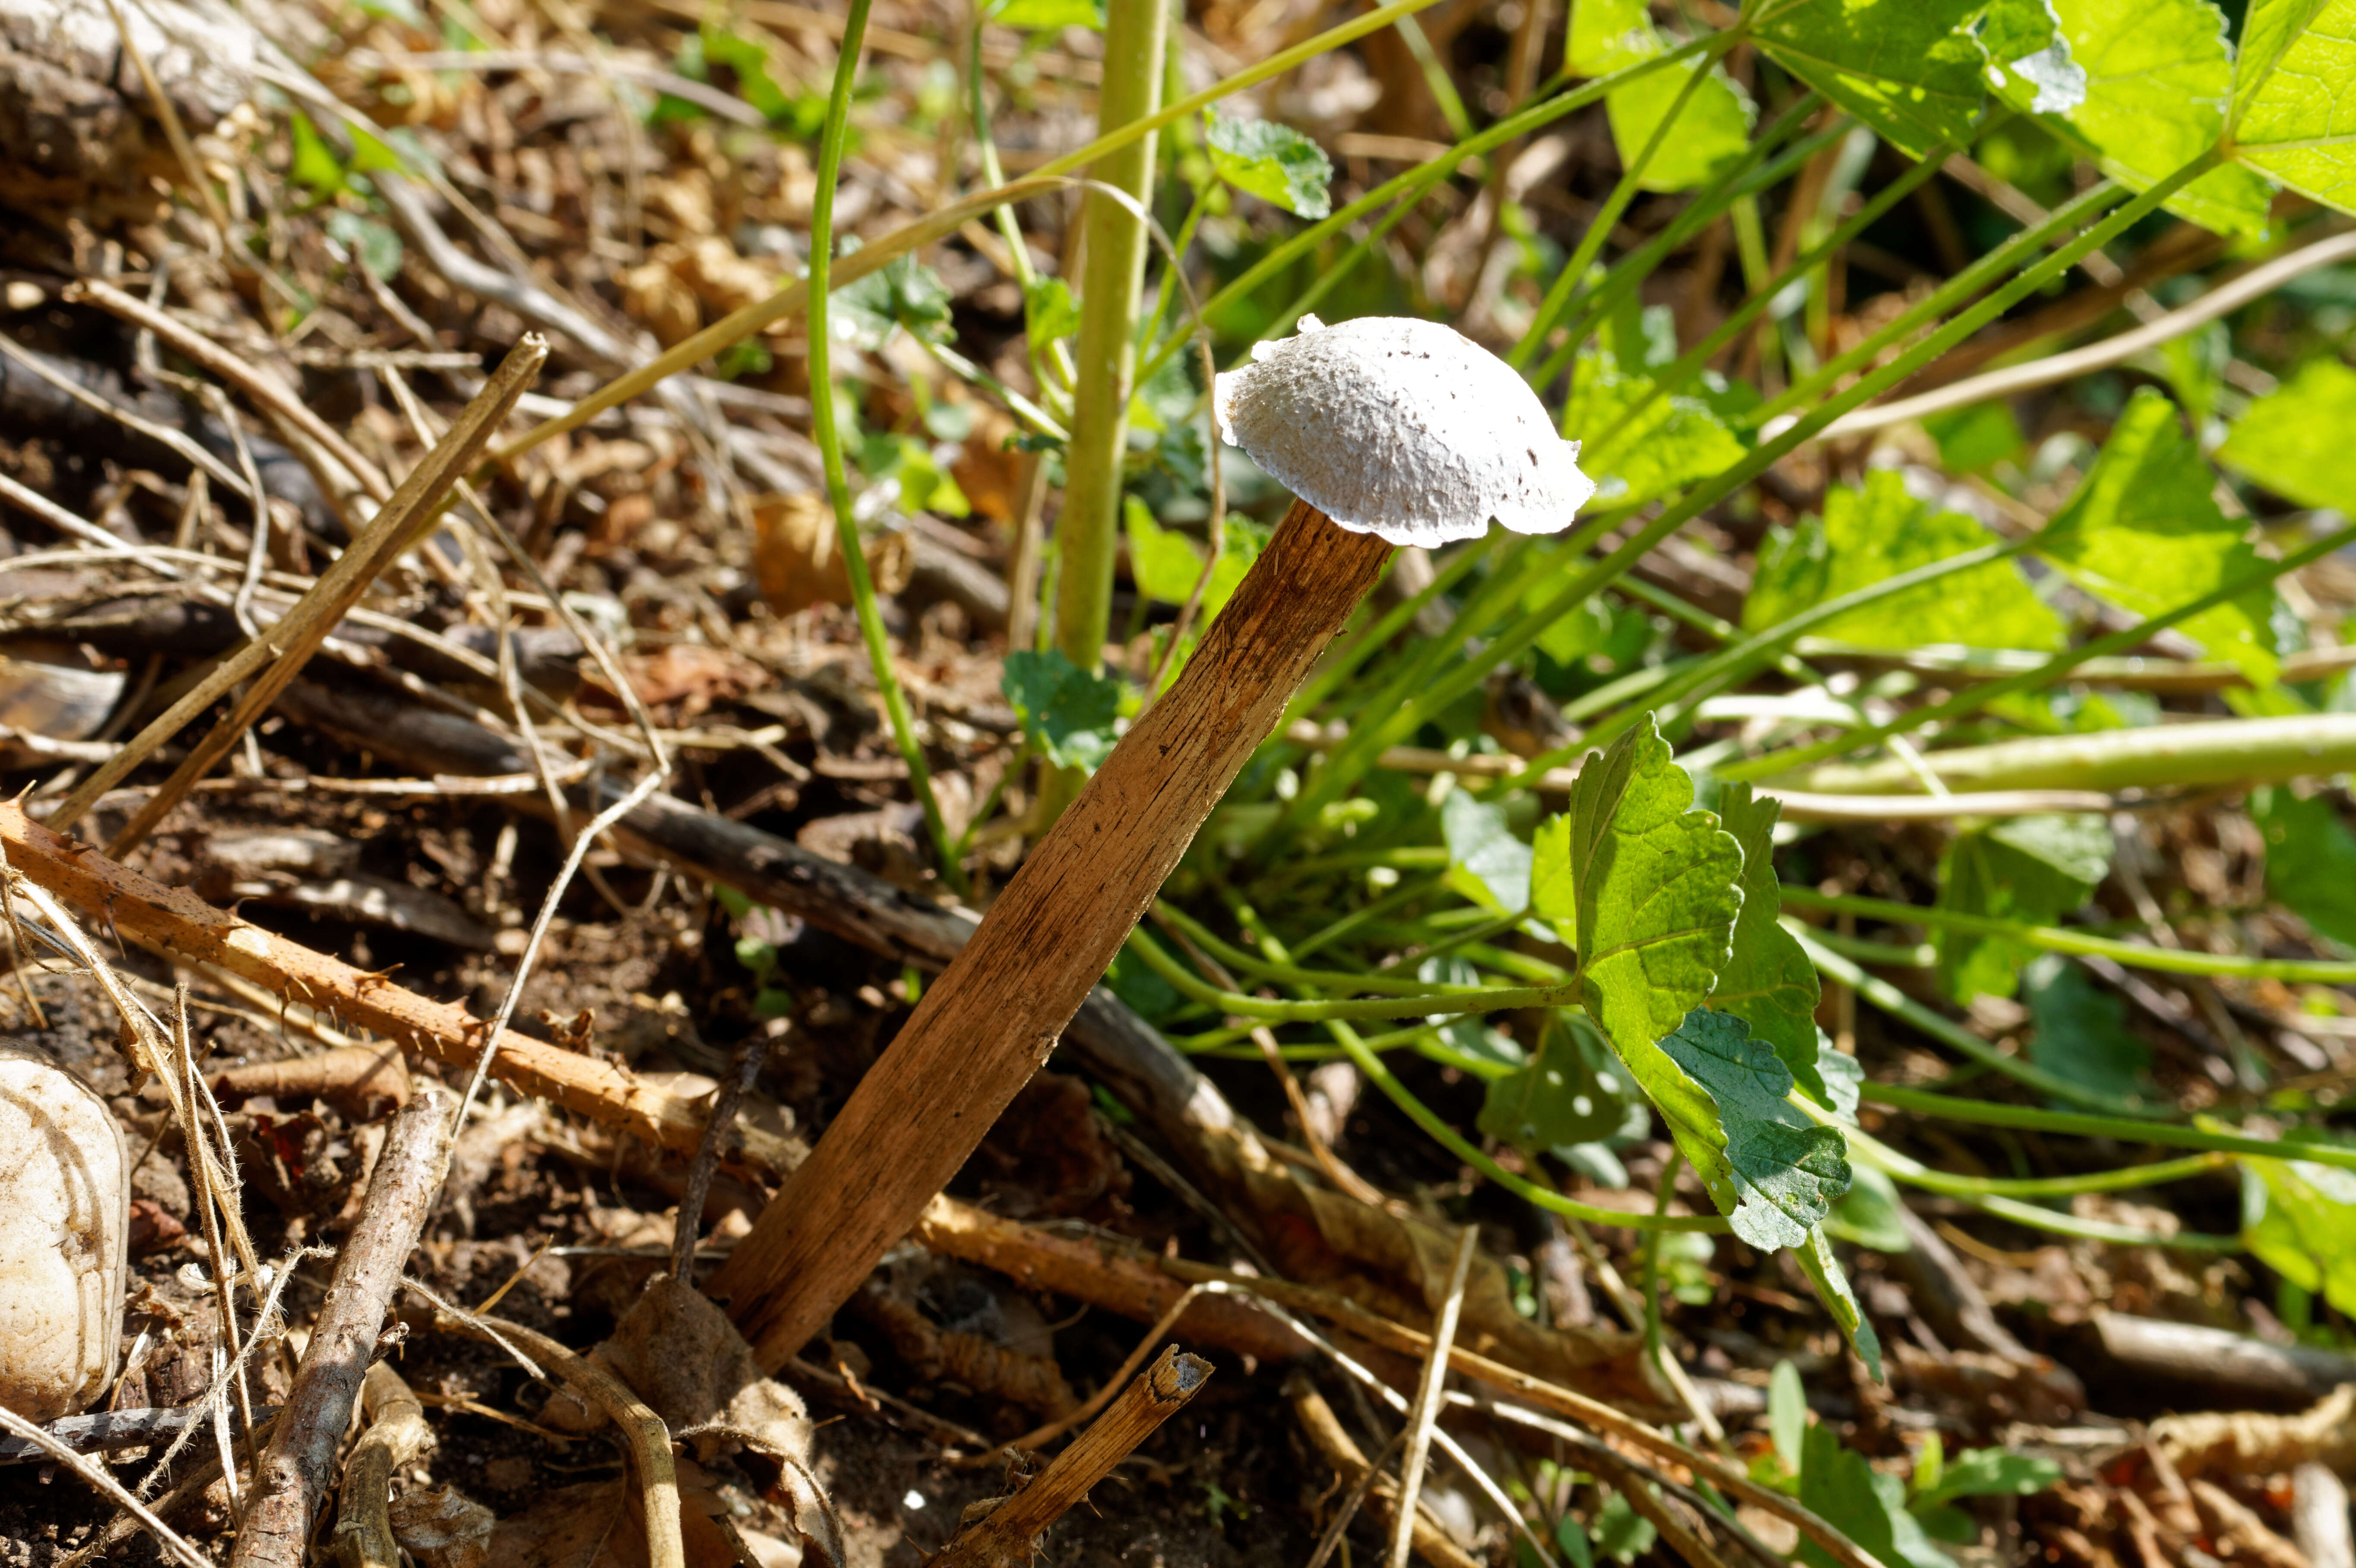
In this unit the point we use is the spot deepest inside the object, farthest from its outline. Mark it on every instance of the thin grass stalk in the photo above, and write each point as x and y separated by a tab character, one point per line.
1559	297
1364	744
1674	376
825	431
2045	673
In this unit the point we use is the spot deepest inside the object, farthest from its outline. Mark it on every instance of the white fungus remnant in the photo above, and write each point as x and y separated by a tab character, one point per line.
1403	429
65	1221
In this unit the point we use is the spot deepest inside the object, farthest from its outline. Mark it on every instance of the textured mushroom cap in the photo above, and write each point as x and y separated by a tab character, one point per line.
1403	429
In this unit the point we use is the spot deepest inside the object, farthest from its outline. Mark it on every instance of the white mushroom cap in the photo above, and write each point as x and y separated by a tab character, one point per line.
1403	429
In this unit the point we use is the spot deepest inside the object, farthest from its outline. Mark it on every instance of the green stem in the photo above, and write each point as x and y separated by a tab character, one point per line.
1399	897
1433	999
1559	297
1437	694
1672	378
1112	272
1900	1006
1738	661
1341	664
2057	939
2045	673
1957	288
1245	962
1734	190
824	431
1449	1138
2033	1119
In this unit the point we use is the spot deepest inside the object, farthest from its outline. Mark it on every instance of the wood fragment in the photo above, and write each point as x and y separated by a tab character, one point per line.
2152	1348
993	1015
292	1474
397	1434
1324	1429
1006	1537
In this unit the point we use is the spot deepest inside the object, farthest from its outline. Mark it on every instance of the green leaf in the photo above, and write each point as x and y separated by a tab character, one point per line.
2081	1030
2293	440
2145	532
1570	1092
750	62
901	293
1868	1214
2033	870
924	484
1831	1285
1067	712
2310	861
1972	438
1787	1415
1272	162
1768	981
2295	96
2029	57
1862	1503
1990	1473
1673	441
1712	129
1620	1532
1906	67
1051	13
314	164
370	243
1648	884
1608	35
1487	863
2158	73
1781	1169
1877	532
1162	563
1049	313
2299	1220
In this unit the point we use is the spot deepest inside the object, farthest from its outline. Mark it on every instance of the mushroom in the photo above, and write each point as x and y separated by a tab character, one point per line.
1389	432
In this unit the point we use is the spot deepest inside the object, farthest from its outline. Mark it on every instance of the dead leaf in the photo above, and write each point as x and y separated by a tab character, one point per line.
797	557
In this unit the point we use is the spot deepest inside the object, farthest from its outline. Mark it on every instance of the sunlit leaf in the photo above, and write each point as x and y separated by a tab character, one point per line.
1051	13
2299	1220
1863	1503
2081	1030
2294	439
1648	884
2158	73
2311	859
1673	441
1049	312
1768	981
1486	861
1067	712
1824	1270
2029	57
315	166
2145	532
2295	96
1877	532
1712	129
1272	162
1907	67
2032	869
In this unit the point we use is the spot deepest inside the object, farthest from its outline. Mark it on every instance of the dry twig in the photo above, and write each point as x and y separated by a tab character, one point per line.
1318	1420
397	1434
1427	1398
1005	1537
292	1474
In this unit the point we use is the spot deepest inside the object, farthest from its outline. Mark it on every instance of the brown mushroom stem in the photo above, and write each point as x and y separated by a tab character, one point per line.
989	1023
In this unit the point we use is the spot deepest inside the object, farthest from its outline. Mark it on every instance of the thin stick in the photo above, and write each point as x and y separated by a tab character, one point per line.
107	1486
397	1434
1427	1398
1354	1499
1317	1417
1624	1480
274	662
1005	1536
121	1528
292	1474
749	1057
